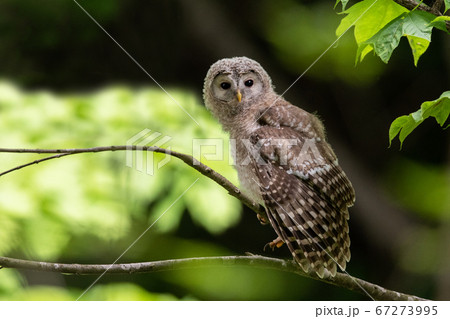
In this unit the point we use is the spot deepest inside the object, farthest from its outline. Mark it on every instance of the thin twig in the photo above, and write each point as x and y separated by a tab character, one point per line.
188	159
32	163
340	280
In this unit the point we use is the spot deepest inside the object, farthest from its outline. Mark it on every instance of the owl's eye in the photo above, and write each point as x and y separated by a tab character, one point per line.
248	83
225	85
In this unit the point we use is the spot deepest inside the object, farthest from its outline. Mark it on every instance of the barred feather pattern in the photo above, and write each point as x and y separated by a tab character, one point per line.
313	229
306	194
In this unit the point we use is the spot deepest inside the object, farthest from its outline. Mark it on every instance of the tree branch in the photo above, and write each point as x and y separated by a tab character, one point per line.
188	159
341	280
411	4
437	5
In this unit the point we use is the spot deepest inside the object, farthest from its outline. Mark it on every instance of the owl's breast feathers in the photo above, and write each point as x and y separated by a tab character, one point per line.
305	191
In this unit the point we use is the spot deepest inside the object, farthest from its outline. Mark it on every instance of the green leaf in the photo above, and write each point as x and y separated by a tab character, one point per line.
418	47
369	17
362	51
396	127
404	125
439	109
343	2
417	28
417	23
385	41
447	5
439	23
379	25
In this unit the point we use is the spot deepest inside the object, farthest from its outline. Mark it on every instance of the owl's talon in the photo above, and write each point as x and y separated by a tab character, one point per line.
262	219
277	242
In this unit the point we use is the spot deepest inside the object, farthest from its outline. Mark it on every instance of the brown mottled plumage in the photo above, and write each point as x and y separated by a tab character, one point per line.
284	163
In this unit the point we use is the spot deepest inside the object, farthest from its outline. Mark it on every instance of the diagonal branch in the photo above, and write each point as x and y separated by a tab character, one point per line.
340	280
188	159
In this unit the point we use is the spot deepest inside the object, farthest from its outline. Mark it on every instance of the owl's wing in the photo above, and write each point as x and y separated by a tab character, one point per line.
306	194
311	158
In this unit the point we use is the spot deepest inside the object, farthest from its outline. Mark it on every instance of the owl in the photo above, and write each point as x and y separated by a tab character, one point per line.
284	163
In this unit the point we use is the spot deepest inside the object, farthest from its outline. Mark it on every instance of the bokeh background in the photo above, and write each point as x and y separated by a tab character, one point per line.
64	83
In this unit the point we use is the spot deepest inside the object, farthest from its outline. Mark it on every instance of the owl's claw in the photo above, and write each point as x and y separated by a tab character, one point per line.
277	242
262	219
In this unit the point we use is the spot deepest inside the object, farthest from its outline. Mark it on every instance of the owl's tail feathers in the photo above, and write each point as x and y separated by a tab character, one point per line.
317	243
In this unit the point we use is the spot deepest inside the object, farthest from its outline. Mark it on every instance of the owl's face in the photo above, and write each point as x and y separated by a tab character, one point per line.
235	85
234	88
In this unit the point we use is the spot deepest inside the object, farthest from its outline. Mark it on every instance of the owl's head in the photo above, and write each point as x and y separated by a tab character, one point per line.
233	85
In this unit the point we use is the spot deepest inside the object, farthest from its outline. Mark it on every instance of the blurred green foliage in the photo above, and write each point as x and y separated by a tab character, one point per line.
423	258
44	207
300	33
423	188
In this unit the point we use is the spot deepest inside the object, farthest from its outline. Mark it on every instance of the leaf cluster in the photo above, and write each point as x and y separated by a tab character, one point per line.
379	26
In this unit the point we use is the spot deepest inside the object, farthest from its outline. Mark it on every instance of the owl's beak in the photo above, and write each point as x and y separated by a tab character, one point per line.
239	96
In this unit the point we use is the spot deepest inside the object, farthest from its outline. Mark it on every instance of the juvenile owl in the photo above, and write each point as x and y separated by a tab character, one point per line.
284	163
